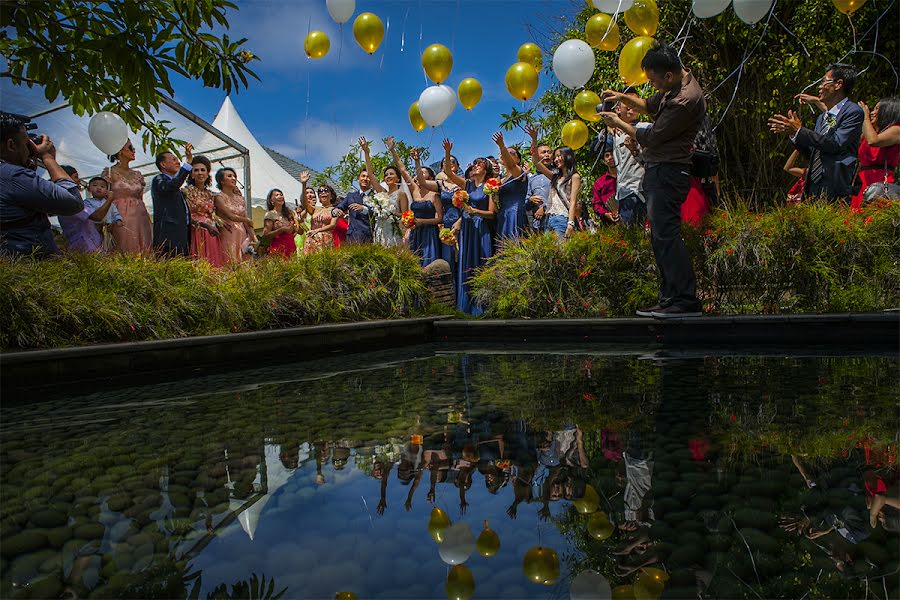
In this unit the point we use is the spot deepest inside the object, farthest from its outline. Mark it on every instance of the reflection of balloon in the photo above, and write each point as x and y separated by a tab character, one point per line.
591	500
460	583
590	585
439	521
438	62
531	54
623	592
488	543
575	135
649	583
602	32
599	526
521	81
458	545
704	9
469	91
340	10
613	6
345	596
541	565
316	44
368	31
108	132
436	104
643	17
573	63
751	11
630	60
848	6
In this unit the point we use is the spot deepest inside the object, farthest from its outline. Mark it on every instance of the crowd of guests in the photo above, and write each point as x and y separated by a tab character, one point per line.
659	174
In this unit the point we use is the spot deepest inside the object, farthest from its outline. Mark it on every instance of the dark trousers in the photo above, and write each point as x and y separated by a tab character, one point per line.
665	186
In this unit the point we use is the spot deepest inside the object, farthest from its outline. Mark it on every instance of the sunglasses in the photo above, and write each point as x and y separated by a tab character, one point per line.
324	191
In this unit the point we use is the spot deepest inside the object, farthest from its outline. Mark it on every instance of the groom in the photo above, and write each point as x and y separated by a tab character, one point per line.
832	146
359	204
171	217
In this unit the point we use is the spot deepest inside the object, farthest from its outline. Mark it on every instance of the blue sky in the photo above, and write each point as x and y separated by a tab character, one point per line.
371	94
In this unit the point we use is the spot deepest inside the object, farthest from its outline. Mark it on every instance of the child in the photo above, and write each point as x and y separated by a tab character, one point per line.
81	230
604	196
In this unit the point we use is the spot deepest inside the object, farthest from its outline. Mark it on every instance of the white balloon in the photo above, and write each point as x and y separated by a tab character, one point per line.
590	585
704	9
108	132
751	11
436	104
459	543
341	10
573	63
612	7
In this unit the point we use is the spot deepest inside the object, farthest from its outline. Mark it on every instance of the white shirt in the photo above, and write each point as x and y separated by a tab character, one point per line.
630	169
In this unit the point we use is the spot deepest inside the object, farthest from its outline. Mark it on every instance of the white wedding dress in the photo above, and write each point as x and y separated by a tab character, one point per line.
387	222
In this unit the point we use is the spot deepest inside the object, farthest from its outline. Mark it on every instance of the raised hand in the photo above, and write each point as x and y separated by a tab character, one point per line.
812	100
304	177
414	152
188	152
785	124
606	94
498	139
532	132
389	143
364	144
865	108
448	145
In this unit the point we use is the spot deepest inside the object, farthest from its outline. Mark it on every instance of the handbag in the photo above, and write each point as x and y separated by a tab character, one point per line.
881	190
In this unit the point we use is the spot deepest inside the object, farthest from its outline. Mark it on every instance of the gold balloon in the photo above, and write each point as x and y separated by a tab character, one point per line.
488	543
460	583
623	592
531	54
469	92
415	117
345	596
438	62
602	32
541	565
368	31
521	81
575	135
650	583
438	523
848	6
643	17
630	60
586	107
599	526
316	44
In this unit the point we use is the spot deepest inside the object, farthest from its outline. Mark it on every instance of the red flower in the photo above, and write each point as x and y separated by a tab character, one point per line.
868	220
588	397
733	418
730	251
585	273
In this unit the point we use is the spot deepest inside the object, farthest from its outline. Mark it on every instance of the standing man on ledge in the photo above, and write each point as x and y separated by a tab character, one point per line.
677	110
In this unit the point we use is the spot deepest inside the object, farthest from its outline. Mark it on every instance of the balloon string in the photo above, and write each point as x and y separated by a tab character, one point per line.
387	32
687	35
306	118
853	29
785	27
403	31
340	42
748	53
874	46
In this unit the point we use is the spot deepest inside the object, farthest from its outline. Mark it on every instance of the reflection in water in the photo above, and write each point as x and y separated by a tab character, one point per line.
714	476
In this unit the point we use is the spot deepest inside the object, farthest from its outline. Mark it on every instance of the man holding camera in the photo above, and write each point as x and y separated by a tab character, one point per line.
677	109
26	200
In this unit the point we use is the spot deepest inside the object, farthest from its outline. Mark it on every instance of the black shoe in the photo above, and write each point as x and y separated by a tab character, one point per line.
648	312
675	310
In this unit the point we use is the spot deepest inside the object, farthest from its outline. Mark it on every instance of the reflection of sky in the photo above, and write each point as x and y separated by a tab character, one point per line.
318	540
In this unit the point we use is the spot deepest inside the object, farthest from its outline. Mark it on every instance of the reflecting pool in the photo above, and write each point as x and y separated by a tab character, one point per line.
429	473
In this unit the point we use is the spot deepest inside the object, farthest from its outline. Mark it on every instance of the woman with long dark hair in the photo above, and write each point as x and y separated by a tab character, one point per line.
390	201
565	183
127	185
472	229
232	208
201	202
879	151
513	188
280	225
321	236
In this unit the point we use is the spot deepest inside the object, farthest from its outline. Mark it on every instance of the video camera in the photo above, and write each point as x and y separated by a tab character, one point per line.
12	119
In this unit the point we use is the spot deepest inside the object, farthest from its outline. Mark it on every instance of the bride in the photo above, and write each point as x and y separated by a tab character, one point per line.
389	204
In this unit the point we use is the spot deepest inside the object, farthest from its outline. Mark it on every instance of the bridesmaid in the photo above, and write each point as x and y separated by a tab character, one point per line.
426	206
127	186
513	189
280	226
231	206
202	205
320	237
446	188
472	227
304	218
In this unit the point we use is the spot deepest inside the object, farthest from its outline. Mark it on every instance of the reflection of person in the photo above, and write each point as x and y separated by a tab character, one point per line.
25	198
136	234
171	217
678	109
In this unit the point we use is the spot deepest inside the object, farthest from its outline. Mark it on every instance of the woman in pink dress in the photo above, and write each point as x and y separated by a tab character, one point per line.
280	226
127	186
201	202
879	151
232	208
320	237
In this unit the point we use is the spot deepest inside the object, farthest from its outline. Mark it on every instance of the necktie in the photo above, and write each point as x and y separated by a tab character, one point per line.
816	168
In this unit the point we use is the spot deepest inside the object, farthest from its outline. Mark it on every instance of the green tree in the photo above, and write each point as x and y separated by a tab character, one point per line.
349	166
118	55
780	58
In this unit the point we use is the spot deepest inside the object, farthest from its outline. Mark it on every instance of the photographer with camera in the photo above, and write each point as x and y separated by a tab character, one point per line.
26	200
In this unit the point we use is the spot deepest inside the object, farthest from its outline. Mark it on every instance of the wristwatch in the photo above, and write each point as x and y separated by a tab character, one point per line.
571	223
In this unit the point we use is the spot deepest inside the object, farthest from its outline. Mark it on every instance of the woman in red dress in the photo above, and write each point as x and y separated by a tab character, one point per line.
280	226
879	150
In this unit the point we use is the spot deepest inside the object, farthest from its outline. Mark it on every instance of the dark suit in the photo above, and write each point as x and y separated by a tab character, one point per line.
837	147
360	227
171	218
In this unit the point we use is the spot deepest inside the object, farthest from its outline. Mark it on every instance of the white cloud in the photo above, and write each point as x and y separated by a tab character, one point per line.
320	144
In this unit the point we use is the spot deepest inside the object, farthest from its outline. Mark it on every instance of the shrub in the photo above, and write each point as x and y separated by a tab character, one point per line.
86	299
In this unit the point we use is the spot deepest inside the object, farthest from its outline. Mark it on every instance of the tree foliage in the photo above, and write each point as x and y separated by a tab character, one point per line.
119	55
781	56
349	166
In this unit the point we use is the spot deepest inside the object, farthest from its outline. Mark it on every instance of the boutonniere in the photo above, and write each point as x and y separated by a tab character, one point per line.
830	121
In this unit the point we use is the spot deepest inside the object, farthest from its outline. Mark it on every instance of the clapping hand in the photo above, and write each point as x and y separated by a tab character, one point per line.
789	124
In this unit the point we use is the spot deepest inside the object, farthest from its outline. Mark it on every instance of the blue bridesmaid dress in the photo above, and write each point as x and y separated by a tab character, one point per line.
511	214
423	240
451	214
474	248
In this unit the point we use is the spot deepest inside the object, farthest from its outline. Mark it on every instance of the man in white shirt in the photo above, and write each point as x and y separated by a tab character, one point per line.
630	166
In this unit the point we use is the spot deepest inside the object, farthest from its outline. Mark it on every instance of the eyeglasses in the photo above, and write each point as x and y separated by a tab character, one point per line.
324	191
827	81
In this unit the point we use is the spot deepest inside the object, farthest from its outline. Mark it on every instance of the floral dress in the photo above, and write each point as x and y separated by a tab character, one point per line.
204	245
324	239
136	234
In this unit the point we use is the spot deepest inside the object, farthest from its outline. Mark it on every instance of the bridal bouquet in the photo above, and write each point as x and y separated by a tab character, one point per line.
491	186
447	236
408	219
383	206
460	198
